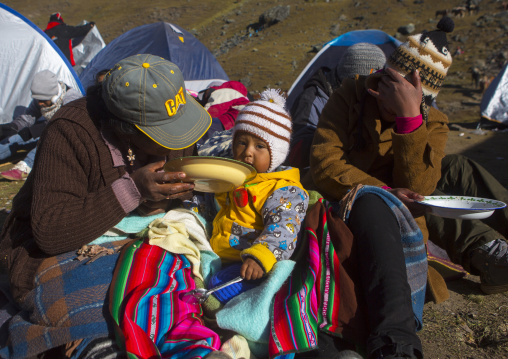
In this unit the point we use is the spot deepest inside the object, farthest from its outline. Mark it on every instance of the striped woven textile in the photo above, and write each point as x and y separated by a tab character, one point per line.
67	304
321	293
152	322
311	298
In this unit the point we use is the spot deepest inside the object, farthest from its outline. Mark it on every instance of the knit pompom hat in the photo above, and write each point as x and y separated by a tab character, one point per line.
429	54
269	120
360	59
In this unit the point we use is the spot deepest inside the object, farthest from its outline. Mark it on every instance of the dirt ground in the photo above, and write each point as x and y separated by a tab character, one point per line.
469	324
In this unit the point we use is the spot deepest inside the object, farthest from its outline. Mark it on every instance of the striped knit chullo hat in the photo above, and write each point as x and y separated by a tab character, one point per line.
268	119
429	54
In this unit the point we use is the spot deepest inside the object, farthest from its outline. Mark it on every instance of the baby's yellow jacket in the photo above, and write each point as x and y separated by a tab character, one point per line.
260	219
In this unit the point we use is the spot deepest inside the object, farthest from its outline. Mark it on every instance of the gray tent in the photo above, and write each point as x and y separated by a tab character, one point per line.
494	104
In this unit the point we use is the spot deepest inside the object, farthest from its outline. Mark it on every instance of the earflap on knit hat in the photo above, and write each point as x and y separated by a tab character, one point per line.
429	54
268	119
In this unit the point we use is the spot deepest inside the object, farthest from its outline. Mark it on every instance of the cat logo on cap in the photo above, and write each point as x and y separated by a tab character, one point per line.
172	106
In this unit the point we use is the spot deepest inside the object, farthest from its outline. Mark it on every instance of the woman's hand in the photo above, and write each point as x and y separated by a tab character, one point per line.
150	208
251	270
156	185
399	96
410	200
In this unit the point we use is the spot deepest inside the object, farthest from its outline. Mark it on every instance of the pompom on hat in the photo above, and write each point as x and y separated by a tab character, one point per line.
268	119
428	53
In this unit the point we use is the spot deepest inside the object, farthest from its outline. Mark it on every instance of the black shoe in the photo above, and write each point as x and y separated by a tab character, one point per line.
491	260
395	351
7	130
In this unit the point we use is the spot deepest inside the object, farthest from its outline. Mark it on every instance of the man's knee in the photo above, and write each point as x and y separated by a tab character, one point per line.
454	160
369	203
455	166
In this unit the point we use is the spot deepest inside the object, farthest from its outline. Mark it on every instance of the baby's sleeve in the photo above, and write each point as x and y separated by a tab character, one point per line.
283	213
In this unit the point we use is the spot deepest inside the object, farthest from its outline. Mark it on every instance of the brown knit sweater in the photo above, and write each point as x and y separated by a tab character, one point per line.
67	200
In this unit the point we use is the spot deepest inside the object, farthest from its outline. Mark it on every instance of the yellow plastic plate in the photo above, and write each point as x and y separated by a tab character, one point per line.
212	174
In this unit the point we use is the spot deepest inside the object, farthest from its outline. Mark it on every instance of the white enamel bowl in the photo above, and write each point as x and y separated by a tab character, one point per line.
462	207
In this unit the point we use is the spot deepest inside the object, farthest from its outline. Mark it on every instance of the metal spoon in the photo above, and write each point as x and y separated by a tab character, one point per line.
199	295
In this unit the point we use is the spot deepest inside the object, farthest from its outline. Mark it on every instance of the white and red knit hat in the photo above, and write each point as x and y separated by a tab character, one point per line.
269	120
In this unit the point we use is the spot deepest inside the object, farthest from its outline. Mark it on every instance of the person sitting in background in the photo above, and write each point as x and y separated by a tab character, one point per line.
259	222
359	59
48	95
386	135
383	131
21	170
480	246
62	34
223	102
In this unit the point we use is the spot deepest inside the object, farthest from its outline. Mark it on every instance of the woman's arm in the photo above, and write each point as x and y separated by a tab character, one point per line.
71	203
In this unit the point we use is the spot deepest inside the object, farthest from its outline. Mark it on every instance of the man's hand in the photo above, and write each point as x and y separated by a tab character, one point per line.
156	185
251	270
399	96
410	200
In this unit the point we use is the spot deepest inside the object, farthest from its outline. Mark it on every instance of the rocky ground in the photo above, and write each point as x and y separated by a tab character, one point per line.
261	54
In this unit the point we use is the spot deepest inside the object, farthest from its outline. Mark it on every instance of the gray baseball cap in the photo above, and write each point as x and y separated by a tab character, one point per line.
149	92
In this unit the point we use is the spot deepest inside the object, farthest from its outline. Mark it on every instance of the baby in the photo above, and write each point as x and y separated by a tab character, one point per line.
258	223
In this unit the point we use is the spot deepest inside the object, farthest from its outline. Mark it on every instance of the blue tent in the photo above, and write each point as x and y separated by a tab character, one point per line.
25	50
332	52
199	67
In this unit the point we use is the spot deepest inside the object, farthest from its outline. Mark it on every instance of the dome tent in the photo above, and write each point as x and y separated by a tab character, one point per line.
24	51
199	67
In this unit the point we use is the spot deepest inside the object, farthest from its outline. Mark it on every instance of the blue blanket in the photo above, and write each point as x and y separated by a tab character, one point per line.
415	253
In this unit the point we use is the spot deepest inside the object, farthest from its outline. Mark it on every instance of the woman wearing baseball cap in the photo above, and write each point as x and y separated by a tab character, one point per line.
99	159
